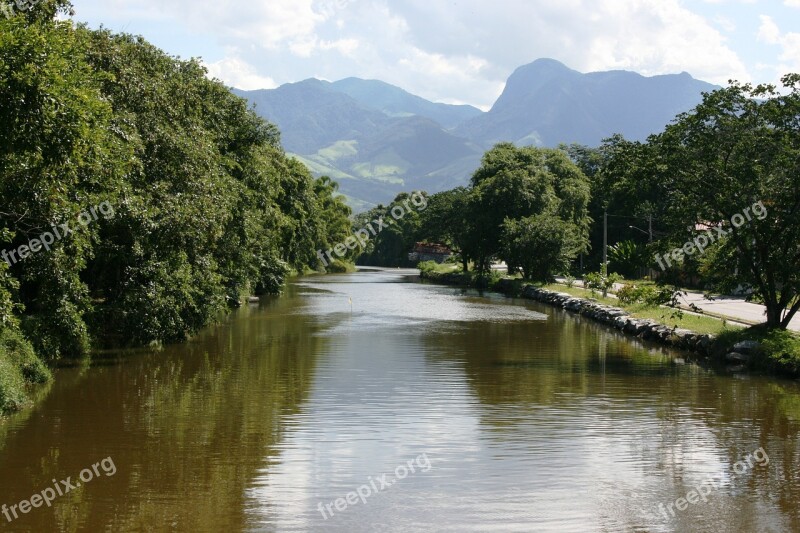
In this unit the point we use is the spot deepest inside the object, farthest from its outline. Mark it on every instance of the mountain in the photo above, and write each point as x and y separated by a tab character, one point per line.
394	101
545	103
377	140
373	151
311	116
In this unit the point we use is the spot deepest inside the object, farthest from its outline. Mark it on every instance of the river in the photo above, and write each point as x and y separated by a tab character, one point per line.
372	402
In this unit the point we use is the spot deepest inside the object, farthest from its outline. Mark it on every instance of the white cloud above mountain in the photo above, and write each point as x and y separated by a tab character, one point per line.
460	51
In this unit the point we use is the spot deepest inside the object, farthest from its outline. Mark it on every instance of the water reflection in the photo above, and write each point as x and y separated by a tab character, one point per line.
533	420
187	428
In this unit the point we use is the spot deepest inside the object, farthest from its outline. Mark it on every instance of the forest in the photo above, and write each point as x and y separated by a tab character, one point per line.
140	200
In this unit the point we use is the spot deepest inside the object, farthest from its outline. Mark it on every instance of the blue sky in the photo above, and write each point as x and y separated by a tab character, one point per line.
462	51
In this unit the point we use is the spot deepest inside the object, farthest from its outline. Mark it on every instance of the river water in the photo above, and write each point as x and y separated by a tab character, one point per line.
371	402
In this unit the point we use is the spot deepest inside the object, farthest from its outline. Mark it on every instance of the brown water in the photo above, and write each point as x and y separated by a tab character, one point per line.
515	417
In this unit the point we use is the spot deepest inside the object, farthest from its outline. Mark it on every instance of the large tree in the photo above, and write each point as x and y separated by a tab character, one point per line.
513	183
541	245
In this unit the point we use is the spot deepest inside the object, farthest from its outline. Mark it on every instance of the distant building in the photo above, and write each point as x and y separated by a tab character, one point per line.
428	251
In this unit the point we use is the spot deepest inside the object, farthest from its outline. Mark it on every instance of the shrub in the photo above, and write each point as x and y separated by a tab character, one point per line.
19	366
12	386
427	267
338	266
599	281
628	257
634	294
782	348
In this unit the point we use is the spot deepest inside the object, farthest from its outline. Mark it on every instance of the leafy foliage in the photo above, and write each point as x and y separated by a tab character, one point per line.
515	183
602	281
207	207
628	258
391	244
541	245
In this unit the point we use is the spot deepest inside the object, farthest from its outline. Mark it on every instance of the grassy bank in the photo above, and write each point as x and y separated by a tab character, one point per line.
664	315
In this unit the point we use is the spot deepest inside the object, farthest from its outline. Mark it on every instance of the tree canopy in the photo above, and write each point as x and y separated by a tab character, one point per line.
207	208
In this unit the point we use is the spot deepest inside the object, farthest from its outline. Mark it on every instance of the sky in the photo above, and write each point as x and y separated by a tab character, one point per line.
461	51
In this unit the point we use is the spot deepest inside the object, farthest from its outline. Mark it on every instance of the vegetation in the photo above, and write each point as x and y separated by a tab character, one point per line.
207	207
430	267
779	349
602	281
729	167
396	228
717	191
652	311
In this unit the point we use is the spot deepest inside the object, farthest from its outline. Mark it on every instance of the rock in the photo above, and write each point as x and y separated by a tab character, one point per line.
736	357
704	343
747	347
681	337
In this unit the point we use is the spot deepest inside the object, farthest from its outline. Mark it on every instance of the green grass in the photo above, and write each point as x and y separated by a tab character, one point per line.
443	268
338	150
664	315
580	292
338	266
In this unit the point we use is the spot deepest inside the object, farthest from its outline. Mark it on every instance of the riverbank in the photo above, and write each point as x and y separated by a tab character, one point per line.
751	349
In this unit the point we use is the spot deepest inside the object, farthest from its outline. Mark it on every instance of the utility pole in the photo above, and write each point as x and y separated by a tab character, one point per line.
605	241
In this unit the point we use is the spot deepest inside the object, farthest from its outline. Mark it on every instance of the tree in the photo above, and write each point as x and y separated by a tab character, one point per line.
395	235
738	149
514	183
446	221
542	245
335	213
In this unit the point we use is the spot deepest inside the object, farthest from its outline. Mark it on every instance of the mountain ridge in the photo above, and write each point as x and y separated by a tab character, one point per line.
377	139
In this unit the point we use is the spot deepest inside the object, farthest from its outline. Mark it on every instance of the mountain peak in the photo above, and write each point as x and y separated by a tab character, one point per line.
531	78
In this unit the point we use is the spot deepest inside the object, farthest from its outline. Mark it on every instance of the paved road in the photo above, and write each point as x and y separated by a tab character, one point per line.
735	308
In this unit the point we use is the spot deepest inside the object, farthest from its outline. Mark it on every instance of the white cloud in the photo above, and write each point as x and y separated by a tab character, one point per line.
792	3
789	57
462	52
725	23
236	73
768	32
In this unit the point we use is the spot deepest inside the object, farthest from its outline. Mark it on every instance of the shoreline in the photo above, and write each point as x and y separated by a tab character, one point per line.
704	348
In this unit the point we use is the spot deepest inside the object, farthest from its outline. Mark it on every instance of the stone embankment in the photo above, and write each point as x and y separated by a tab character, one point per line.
619	319
704	345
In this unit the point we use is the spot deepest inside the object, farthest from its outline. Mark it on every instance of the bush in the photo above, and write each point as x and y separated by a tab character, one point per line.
19	367
427	267
628	257
634	294
20	352
598	281
782	349
12	386
338	266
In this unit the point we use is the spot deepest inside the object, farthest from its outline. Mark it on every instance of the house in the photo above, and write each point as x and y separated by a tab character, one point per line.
427	251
